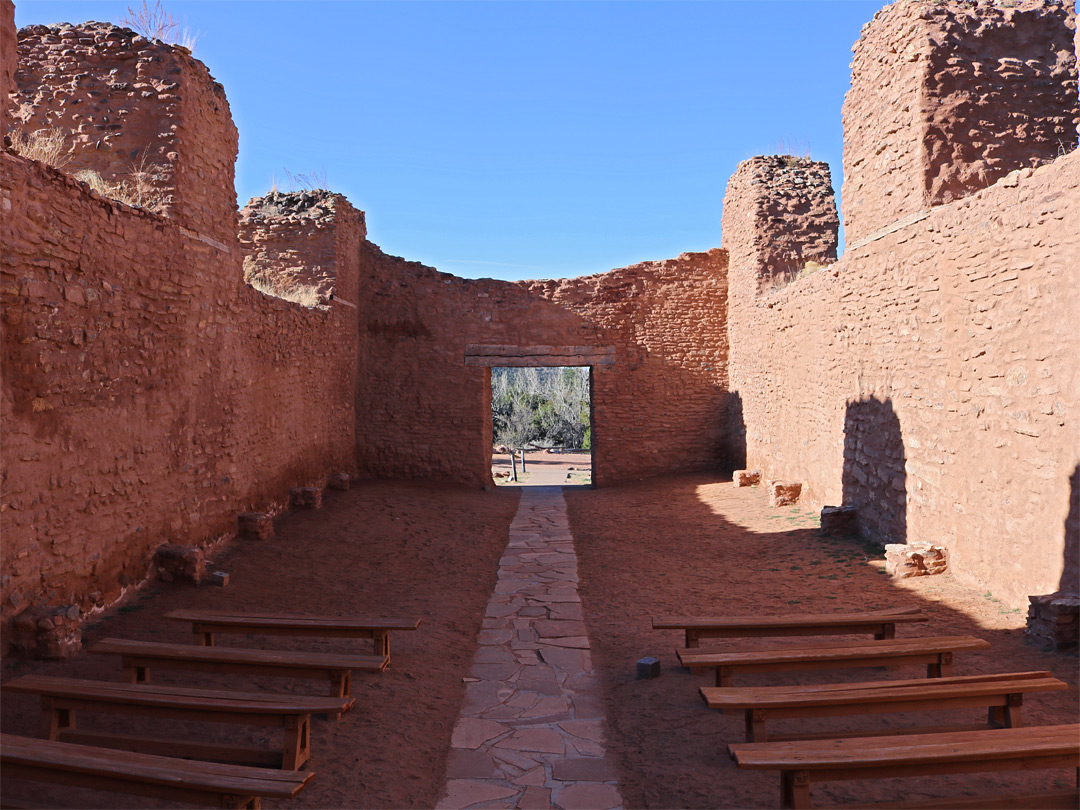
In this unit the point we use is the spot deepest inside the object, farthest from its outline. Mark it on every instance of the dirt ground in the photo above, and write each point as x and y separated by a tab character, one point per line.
692	544
545	469
379	549
675	545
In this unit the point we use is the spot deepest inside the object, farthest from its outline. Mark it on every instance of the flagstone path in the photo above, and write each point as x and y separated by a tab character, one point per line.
531	732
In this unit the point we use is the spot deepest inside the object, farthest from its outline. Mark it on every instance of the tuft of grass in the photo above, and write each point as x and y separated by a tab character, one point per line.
154	22
302	294
47	145
137	190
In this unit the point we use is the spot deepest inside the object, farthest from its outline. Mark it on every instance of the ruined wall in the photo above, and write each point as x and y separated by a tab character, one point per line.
148	394
422	412
947	98
9	60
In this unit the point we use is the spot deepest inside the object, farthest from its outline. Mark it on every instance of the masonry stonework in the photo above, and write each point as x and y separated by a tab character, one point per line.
947	98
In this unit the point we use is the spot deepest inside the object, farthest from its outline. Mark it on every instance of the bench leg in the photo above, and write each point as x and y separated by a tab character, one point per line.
382	641
795	789
943	668
724	676
755	726
339	687
887	631
134	673
1008	716
54	720
297	742
203	638
692	639
230	802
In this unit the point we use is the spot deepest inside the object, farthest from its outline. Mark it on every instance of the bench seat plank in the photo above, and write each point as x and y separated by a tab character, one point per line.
936	652
910	752
144	774
178	697
882	623
1001	695
292	659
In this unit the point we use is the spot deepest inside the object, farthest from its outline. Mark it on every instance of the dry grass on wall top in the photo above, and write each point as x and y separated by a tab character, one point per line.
303	294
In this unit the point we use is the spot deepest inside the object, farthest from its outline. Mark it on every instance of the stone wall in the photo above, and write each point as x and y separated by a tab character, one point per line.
9	61
929	377
947	98
658	408
147	394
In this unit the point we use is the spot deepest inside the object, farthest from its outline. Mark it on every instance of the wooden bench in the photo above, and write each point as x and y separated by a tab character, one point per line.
139	656
882	623
1001	694
936	653
207	783
988	751
205	623
62	697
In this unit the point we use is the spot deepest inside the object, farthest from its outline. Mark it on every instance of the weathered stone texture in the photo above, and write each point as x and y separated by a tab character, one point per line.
128	103
942	356
784	210
176	562
1054	621
839	520
255	526
659	408
915	560
947	98
783	493
9	61
48	632
746	478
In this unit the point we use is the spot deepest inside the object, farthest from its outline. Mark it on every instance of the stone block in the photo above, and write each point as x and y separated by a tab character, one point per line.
747	478
1053	621
176	562
648	668
255	526
839	520
784	493
904	560
52	633
219	578
339	481
305	497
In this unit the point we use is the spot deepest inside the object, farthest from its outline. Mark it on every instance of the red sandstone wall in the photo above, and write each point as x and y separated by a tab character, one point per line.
148	395
9	60
126	104
947	98
422	412
930	377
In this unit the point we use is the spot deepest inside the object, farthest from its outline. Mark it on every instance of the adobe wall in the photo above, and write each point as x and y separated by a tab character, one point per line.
128	103
148	394
422	412
947	98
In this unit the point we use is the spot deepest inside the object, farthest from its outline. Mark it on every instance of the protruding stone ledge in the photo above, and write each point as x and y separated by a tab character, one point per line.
52	633
784	493
1053	621
904	560
839	520
306	497
255	526
177	562
746	478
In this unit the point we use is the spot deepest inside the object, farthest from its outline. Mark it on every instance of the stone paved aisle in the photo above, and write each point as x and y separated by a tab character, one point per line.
531	732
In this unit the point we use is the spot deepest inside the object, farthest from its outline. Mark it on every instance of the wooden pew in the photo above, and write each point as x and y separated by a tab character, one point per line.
61	698
989	751
1001	694
139	656
881	623
936	653
207	783
206	622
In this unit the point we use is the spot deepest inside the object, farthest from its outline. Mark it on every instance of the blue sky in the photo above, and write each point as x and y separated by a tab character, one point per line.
522	139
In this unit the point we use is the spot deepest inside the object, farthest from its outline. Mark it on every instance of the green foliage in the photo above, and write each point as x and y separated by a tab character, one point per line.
548	407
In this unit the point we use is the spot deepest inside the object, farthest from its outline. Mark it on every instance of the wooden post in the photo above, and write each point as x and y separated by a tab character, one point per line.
513	465
523	460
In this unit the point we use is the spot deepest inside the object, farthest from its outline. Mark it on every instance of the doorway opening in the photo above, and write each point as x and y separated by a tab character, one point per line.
541	420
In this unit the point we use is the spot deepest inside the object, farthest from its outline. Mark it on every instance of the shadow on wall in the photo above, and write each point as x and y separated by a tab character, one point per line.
735	429
1070	571
874	479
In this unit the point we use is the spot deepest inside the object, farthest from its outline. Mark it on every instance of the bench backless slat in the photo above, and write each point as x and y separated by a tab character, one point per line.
294	659
1001	695
145	774
205	623
992	750
881	623
935	652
